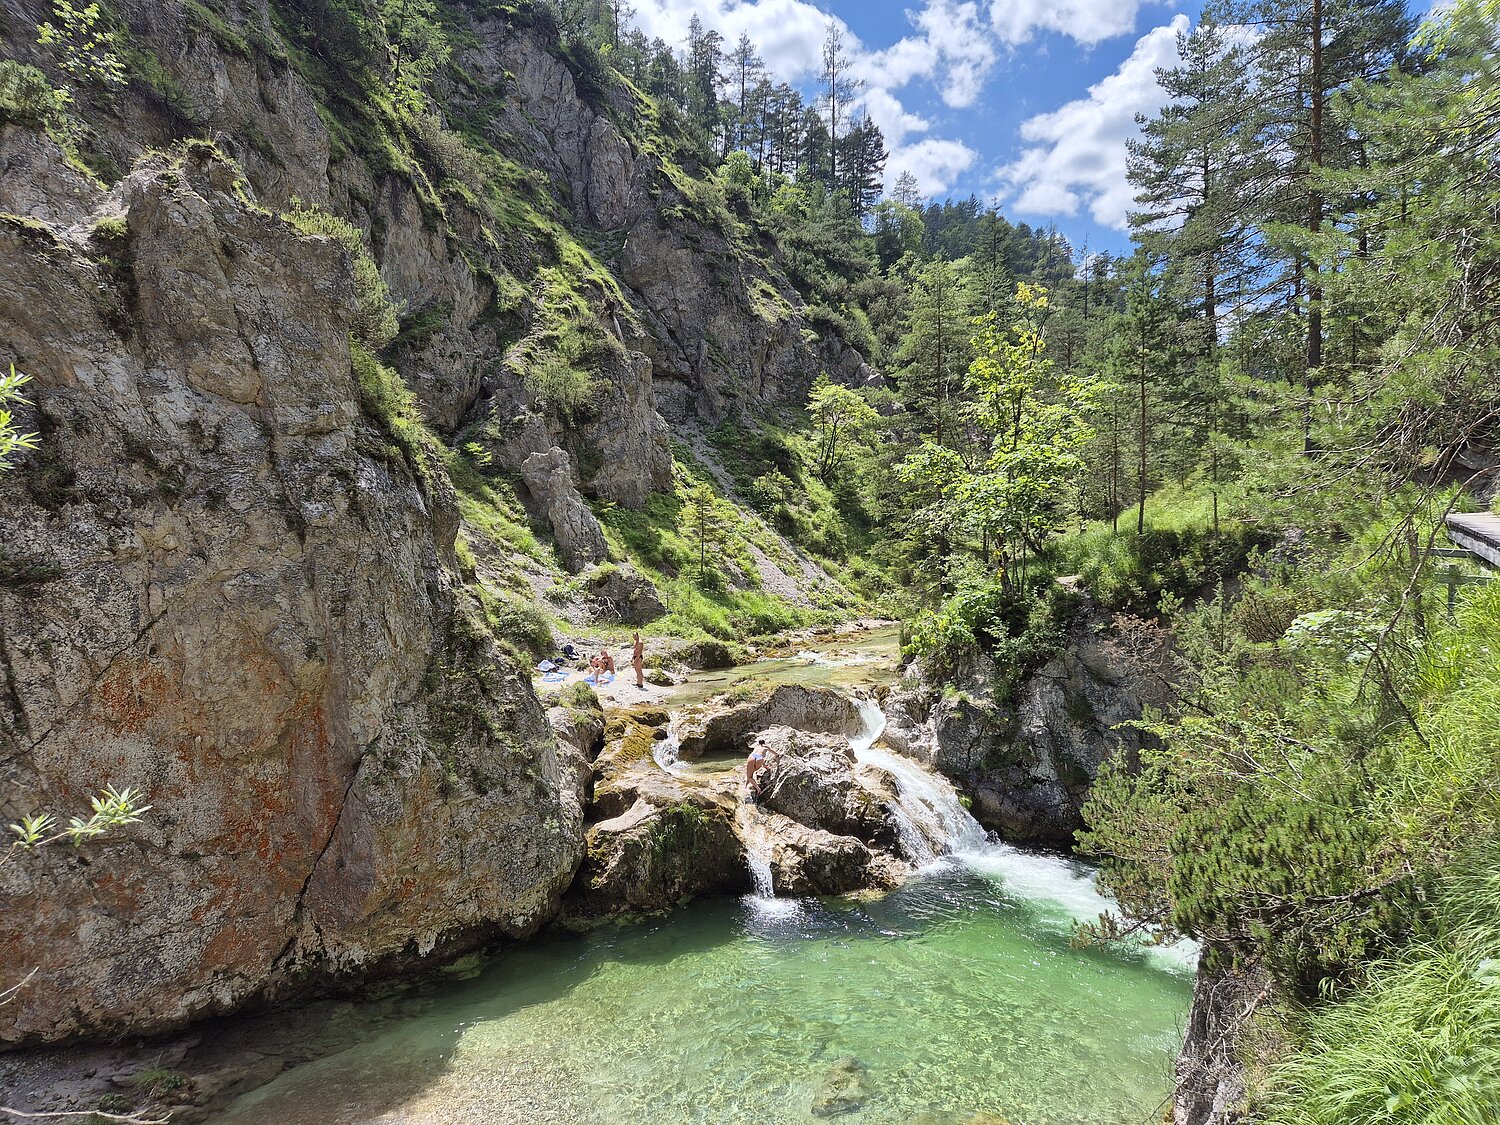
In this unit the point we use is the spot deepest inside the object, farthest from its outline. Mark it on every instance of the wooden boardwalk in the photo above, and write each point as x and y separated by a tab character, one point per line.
1477	534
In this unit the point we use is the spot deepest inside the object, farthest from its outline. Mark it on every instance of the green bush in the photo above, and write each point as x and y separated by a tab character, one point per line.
1019	628
562	385
517	622
375	323
1300	816
27	98
1418	1041
579	697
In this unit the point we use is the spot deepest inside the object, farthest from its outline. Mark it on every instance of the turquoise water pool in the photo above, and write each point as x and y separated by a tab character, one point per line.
957	997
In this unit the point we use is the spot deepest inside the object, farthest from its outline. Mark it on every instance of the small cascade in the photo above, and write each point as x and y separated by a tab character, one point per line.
931	820
760	873
752	833
664	753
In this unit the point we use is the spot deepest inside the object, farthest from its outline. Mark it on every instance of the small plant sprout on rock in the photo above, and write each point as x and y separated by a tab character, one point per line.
112	808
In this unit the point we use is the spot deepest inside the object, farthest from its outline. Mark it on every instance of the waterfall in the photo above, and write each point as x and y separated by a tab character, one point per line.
752	833
931	821
760	873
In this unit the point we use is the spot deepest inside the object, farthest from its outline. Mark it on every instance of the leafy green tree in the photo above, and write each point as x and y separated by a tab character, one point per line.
87	48
416	48
12	439
1037	426
841	416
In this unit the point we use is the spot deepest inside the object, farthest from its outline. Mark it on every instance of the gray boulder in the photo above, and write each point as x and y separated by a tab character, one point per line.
1027	757
620	593
721	727
817	782
549	480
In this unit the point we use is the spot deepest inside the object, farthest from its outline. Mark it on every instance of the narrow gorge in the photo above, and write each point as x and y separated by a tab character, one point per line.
546	576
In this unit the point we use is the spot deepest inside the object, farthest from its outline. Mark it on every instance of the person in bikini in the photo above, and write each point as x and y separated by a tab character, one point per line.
762	755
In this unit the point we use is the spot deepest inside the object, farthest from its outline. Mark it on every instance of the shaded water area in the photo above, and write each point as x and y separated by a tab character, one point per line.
954	996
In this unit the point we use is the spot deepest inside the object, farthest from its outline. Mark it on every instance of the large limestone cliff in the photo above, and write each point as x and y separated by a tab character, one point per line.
577	223
223	585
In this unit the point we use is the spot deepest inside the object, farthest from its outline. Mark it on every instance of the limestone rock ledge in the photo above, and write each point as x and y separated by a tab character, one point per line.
1028	755
224	585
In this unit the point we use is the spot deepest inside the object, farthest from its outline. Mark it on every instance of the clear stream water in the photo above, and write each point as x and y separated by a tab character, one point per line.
958	995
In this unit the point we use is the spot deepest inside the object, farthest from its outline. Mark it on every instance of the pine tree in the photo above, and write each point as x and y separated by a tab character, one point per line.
746	71
840	89
934	353
705	59
907	191
1303	54
863	164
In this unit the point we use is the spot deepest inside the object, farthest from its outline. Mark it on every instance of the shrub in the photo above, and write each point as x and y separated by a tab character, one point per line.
375	323
1418	1043
518	623
561	385
1019	627
27	98
579	697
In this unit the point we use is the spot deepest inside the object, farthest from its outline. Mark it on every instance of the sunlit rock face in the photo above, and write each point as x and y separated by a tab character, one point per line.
226	587
1027	753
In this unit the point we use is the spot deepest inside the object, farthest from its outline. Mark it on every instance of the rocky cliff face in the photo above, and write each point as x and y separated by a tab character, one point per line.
580	240
223	585
1027	755
227	584
1212	1072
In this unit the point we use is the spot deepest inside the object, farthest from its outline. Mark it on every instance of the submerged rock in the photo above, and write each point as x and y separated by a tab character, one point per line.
844	1089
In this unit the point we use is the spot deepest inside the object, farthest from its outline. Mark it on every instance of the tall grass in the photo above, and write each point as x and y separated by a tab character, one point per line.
1417	1042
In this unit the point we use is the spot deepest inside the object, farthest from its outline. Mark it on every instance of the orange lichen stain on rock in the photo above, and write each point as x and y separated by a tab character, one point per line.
133	694
243	943
116	893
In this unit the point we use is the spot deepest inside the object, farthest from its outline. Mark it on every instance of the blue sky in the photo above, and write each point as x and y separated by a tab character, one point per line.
1026	101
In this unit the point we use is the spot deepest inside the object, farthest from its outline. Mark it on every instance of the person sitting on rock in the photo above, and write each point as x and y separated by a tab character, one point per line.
762	755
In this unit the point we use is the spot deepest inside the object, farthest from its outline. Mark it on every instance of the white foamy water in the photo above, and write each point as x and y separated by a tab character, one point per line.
934	824
932	821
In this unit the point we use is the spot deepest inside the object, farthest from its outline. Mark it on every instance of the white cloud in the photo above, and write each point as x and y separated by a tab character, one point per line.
935	162
1076	154
894	119
1087	21
788	33
954	45
954	50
